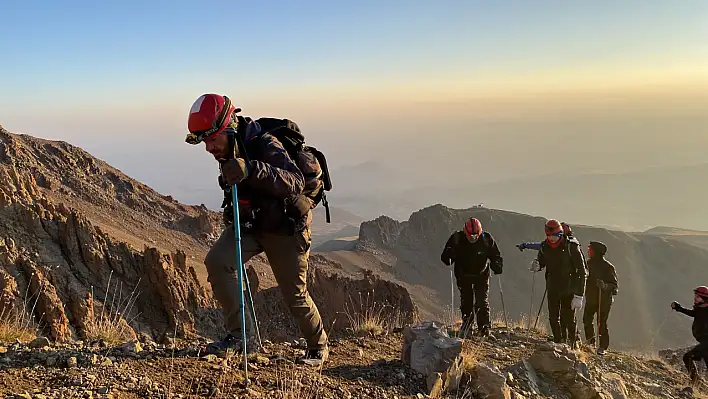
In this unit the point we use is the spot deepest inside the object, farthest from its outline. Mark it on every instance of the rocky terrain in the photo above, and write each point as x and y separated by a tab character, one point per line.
419	361
103	294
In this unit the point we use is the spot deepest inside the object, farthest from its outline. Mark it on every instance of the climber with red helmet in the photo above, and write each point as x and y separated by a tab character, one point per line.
470	250
537	245
699	329
566	273
599	294
270	187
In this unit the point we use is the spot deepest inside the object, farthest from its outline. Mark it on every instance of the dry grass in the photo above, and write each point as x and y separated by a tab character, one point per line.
522	323
371	318
110	326
17	323
295	383
459	373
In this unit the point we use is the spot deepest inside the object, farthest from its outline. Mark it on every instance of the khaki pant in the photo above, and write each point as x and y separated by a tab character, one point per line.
288	258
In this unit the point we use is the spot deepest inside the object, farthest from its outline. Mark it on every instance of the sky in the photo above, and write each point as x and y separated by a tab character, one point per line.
434	88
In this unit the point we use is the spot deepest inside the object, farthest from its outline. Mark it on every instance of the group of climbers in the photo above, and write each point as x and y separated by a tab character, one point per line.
566	275
570	282
280	180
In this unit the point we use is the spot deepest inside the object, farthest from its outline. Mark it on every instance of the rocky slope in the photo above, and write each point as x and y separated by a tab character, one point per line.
653	269
82	245
510	364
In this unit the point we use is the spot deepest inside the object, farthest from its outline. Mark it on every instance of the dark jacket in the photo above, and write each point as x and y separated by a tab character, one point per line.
565	267
700	321
273	184
600	269
471	258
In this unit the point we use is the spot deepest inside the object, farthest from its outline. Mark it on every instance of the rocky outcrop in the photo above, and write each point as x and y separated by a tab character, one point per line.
61	268
343	300
66	268
68	171
382	232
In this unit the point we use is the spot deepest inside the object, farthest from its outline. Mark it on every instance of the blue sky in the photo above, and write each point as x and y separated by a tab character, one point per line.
73	49
101	74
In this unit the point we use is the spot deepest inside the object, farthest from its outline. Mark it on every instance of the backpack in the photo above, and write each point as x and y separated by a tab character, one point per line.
311	162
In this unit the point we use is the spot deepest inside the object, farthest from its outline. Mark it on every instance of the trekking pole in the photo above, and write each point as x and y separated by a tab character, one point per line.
452	293
540	307
501	293
253	309
533	287
599	309
237	231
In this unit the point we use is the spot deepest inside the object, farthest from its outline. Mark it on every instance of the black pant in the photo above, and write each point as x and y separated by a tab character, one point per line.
561	317
474	298
591	308
698	353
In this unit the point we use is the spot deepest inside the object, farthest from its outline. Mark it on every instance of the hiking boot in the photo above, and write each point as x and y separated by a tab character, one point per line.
600	351
231	344
314	357
484	331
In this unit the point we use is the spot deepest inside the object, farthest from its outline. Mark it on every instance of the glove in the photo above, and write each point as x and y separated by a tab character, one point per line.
675	305
535	266
521	246
577	302
497	269
234	171
601	284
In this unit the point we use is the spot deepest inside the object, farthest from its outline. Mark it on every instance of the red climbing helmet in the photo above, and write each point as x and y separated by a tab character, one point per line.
473	229
553	227
210	114
701	294
554	231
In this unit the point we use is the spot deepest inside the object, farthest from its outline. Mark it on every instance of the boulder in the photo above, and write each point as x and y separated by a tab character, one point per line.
615	386
490	382
551	359
525	377
428	349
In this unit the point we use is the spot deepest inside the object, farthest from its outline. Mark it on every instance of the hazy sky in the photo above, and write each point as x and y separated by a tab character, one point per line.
454	83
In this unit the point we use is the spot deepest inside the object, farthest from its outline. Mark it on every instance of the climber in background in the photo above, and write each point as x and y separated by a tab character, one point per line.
599	294
566	275
567	231
699	312
470	250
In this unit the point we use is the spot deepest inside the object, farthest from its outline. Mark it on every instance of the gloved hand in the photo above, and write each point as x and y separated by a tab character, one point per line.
521	246
535	266
675	305
497	269
577	302
601	284
234	171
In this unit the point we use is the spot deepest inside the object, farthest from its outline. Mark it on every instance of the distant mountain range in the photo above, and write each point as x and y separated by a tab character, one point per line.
632	201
